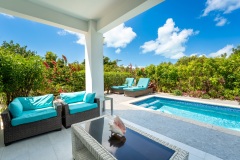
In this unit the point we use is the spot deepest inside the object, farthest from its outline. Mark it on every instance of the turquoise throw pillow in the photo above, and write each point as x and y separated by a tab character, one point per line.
15	108
72	97
89	97
42	101
36	102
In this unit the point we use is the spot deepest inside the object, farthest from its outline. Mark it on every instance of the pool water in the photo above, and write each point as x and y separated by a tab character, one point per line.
226	117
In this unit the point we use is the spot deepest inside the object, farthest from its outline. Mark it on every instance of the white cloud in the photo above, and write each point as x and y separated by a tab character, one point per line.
227	49
62	32
7	15
221	21
118	37
80	37
170	41
118	51
225	6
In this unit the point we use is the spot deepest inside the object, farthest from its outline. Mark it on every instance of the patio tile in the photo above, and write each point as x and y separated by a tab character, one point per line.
211	157
40	148
63	150
44	153
1	150
59	136
68	131
193	157
16	151
38	142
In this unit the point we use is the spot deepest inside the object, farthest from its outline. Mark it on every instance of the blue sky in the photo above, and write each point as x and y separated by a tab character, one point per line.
162	34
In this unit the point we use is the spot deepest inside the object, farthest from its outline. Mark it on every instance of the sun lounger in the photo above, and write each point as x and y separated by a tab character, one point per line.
119	89
139	90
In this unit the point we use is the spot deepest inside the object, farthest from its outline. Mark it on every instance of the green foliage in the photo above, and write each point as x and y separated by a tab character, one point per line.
50	57
177	92
63	77
1	84
114	79
206	96
20	75
166	77
199	76
17	49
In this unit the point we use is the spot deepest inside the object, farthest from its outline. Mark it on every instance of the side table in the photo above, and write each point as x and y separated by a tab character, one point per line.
105	99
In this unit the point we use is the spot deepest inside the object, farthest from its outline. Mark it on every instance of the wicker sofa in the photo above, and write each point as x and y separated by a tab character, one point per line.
14	132
75	109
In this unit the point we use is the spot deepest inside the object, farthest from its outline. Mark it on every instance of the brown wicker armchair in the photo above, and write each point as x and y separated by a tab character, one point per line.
69	119
15	133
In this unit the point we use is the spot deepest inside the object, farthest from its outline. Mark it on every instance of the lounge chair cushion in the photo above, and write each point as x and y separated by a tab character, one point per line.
134	89
119	87
81	107
72	97
143	82
37	102
15	108
89	97
129	81
34	115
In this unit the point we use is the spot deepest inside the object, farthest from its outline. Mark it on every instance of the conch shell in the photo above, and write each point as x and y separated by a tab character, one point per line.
117	126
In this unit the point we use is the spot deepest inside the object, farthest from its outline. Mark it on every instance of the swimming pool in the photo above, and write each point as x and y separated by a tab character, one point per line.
226	117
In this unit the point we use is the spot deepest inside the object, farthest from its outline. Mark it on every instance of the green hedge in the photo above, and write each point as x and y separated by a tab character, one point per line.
20	76
114	79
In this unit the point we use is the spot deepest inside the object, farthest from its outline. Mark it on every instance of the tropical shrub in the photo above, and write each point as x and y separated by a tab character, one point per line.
20	75
59	76
177	92
206	96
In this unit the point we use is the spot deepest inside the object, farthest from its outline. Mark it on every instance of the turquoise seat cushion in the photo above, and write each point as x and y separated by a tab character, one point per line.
143	82
32	103
134	89
119	87
89	97
15	108
72	97
34	115
130	81
81	107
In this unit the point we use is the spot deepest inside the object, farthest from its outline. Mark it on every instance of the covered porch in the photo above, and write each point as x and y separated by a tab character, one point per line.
93	18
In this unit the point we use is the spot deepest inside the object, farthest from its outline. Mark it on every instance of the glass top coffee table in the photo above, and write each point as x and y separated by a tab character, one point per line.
92	140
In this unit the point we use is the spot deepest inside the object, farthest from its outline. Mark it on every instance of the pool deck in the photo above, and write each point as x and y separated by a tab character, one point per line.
205	141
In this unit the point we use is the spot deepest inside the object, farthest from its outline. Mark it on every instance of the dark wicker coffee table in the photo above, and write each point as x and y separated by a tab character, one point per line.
92	140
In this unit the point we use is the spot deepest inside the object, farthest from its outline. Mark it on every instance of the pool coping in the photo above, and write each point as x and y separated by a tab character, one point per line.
202	124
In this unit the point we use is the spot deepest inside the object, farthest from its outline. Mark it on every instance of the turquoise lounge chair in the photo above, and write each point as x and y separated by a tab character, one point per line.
119	89
140	89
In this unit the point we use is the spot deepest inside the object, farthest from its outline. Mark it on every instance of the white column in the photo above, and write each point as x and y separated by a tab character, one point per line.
94	60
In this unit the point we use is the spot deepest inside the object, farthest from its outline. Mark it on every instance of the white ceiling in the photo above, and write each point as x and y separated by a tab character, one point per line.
75	14
84	9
